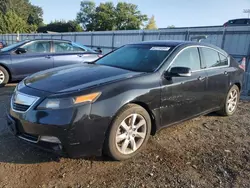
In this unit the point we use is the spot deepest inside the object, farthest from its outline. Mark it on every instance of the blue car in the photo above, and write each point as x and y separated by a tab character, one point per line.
24	58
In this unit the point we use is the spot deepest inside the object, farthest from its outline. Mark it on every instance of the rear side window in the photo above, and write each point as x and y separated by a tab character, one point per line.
239	22
223	60
242	21
64	47
213	58
188	58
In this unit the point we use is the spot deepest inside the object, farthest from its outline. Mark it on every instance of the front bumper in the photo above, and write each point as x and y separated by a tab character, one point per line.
80	131
82	138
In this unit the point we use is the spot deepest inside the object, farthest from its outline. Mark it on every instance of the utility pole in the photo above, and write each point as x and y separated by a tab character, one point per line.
247	11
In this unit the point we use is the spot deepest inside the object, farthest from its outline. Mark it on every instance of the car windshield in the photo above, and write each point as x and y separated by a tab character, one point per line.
140	58
13	46
82	46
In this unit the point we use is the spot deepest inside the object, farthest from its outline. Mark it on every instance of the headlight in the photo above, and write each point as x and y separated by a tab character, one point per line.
60	103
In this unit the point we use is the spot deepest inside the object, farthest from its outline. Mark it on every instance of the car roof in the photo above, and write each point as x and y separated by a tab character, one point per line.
173	43
47	40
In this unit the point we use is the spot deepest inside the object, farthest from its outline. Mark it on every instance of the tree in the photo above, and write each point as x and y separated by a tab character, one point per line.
61	26
106	16
86	15
32	15
151	23
12	23
128	17
36	16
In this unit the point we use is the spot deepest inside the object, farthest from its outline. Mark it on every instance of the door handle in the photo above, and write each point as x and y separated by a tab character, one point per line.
200	78
79	55
48	57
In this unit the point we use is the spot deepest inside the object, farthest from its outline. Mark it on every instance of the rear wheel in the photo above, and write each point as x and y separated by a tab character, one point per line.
4	76
231	102
129	133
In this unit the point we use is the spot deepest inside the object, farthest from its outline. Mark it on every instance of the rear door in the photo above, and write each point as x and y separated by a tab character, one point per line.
217	68
37	58
182	97
65	53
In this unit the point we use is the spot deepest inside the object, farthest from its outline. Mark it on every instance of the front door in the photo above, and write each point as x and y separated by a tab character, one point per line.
36	58
182	97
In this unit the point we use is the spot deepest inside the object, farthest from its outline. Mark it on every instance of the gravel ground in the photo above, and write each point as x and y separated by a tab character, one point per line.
209	151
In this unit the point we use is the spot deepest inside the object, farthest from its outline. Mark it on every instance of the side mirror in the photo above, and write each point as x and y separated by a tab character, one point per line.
21	51
178	72
98	50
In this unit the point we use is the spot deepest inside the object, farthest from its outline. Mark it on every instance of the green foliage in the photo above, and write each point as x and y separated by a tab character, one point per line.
61	26
86	15
125	16
12	23
151	23
19	15
31	14
104	17
128	17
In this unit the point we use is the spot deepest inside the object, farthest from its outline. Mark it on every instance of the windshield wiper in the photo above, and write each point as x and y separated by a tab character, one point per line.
90	63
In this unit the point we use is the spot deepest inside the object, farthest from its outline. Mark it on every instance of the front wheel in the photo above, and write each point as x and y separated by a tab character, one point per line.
231	102
129	133
4	77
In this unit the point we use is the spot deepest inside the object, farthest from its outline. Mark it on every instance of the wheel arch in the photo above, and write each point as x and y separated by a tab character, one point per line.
238	84
152	116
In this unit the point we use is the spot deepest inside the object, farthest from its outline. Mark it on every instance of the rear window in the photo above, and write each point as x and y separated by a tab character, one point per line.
140	58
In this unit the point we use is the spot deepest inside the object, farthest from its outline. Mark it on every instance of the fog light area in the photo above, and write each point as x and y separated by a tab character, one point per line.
50	139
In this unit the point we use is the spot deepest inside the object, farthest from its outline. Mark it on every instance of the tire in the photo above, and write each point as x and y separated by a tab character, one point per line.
230	106
123	142
4	76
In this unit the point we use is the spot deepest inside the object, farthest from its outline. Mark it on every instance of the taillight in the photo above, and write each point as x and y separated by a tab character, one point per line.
99	55
243	63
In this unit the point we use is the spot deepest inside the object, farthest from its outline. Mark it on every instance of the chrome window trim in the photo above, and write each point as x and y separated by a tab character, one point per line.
11	103
200	46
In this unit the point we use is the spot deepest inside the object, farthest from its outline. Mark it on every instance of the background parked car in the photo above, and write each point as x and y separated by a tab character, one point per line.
238	22
2	44
27	57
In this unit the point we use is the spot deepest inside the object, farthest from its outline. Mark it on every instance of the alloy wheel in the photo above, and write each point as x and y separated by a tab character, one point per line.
232	100
131	134
2	77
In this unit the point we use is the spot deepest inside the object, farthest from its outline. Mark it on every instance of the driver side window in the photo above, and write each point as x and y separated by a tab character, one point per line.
189	58
37	47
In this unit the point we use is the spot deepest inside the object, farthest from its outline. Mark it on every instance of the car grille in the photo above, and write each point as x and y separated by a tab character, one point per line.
20	107
21	102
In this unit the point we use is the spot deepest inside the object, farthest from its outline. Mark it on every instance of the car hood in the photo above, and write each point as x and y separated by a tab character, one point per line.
76	77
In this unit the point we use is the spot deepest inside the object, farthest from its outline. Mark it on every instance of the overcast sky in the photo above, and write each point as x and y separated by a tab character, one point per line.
180	13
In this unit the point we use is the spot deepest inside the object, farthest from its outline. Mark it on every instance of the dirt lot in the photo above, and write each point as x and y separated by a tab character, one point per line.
209	151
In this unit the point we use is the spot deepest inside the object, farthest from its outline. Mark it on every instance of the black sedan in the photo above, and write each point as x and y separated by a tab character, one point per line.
113	105
30	56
